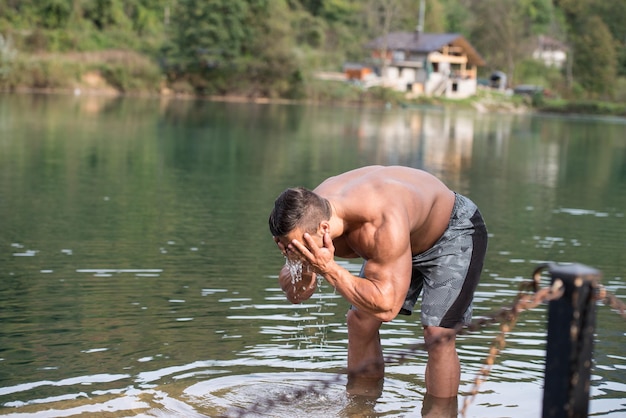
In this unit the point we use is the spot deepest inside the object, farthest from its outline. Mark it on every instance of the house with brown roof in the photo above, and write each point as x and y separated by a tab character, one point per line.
434	64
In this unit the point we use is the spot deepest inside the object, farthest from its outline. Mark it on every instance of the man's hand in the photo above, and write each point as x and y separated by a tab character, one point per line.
281	247
321	259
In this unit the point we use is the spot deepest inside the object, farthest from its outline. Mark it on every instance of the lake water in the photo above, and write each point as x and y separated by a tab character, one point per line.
138	275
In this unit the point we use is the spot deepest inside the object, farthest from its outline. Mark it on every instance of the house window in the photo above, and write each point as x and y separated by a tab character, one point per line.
398	55
456	70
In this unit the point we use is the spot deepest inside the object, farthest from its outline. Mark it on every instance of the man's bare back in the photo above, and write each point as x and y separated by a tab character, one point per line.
368	196
384	215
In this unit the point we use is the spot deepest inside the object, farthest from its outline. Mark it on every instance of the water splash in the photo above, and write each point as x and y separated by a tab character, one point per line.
295	269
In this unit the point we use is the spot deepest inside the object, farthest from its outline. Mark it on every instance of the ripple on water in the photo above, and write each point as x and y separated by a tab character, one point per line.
289	394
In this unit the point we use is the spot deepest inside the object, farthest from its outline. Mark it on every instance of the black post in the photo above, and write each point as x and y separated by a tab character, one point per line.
571	325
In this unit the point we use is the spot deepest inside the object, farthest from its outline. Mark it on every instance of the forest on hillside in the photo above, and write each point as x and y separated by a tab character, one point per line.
272	48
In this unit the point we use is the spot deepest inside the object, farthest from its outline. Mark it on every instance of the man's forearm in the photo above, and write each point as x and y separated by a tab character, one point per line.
360	292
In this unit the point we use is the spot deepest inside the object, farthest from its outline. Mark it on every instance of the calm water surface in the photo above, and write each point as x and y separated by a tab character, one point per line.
138	276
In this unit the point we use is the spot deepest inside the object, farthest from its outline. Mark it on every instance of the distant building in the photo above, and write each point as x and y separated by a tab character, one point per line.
355	71
551	52
434	64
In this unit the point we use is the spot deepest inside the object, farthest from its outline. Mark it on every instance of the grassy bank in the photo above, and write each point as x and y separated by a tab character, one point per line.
583	107
111	71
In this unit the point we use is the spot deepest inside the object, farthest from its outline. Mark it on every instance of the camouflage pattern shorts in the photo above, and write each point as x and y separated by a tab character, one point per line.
449	272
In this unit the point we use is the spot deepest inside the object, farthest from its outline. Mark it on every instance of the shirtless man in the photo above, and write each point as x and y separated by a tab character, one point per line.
413	233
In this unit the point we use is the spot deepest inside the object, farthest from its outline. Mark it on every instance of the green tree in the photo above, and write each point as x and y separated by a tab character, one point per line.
497	31
435	17
271	65
594	49
106	14
613	14
457	16
18	14
340	11
209	34
312	6
595	58
234	46
55	13
384	16
537	15
147	16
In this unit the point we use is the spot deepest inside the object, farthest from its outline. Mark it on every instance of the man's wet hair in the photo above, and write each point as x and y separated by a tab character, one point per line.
298	207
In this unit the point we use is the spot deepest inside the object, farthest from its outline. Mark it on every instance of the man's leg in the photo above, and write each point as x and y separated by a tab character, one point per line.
365	355
443	371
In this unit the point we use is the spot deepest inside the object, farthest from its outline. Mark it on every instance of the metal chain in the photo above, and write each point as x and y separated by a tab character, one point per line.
522	303
609	299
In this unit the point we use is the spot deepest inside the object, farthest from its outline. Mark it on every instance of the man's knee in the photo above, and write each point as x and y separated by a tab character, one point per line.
439	339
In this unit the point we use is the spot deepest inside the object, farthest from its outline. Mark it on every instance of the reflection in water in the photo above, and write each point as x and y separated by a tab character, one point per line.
436	141
138	276
364	387
434	407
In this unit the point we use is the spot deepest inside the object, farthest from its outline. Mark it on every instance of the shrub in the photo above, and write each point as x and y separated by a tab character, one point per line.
130	71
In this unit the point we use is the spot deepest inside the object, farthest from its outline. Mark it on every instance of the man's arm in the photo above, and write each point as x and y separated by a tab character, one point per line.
387	275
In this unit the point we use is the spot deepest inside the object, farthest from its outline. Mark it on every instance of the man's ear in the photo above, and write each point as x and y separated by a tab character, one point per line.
324	227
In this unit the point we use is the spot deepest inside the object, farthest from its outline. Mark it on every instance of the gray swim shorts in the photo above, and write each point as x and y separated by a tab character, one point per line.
449	271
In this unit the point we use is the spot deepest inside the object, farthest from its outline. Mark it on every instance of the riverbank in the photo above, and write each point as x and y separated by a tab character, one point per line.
344	94
595	108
